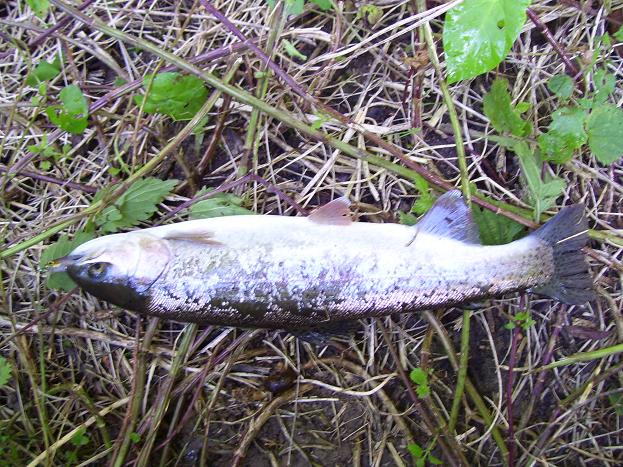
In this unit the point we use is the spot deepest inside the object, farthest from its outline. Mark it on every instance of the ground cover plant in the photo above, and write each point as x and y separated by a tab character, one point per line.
117	115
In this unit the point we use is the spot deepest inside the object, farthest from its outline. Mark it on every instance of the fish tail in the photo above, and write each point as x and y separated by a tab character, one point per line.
567	233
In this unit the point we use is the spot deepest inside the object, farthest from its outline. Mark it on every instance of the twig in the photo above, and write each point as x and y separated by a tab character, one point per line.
572	70
515	337
54	180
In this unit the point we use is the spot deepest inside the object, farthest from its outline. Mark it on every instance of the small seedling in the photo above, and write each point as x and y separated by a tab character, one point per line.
421	205
72	114
422	455
419	377
523	319
5	371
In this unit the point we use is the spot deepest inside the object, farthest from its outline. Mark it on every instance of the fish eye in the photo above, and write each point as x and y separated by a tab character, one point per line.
97	270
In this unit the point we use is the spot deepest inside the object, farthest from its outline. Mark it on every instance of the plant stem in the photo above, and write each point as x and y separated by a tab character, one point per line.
463	363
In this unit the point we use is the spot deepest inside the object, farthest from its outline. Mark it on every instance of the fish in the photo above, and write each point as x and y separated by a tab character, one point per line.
298	273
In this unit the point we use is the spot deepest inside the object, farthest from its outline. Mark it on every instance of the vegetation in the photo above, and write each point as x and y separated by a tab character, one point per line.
122	115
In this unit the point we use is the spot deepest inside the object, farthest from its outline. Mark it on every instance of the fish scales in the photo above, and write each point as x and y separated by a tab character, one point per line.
314	280
296	272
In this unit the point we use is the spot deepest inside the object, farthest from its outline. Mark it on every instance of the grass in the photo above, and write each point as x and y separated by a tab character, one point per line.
368	109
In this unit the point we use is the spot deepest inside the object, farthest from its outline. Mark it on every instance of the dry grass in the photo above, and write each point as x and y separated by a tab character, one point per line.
161	392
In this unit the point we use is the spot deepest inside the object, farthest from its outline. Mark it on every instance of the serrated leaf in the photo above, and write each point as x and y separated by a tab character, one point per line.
40	7
5	371
415	450
419	376
604	127
73	114
478	34
137	204
62	247
180	97
565	135
498	108
495	229
44	71
561	85
323	4
219	205
291	50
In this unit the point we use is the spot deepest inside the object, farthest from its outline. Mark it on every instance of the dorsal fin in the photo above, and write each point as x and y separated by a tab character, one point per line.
336	212
451	218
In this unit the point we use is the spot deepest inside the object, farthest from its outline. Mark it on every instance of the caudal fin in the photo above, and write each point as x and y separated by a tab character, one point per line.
567	233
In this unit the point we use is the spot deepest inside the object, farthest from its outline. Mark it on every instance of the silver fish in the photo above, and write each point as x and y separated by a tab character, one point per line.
301	272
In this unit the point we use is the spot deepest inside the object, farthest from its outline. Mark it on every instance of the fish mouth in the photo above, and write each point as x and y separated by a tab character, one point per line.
61	264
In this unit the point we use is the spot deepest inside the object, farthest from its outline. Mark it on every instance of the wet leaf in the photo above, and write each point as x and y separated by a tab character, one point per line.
565	135
180	97
73	113
605	133
498	108
561	85
137	204
478	34
219	205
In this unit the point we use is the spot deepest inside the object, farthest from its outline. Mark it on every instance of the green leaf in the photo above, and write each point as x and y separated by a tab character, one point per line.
426	199
605	133
619	34
419	376
135	437
498	108
291	50
137	204
495	229
295	7
5	371
72	115
415	450
561	85
40	7
565	135
423	391
44	71
616	402
62	247
324	5
180	97
510	325
542	193
371	13
478	34
604	85
434	460
80	438
219	205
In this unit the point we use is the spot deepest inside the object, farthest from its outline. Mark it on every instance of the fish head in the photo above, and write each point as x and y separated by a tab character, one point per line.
118	268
